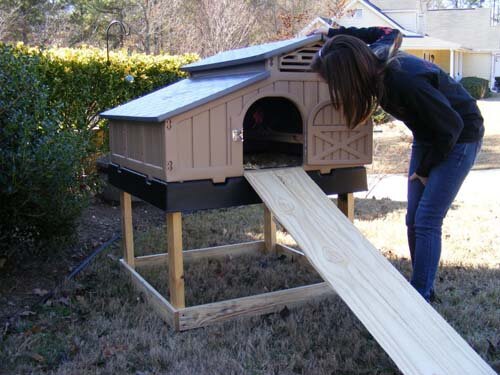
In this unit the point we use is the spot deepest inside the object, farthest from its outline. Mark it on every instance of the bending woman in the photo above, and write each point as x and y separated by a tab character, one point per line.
364	68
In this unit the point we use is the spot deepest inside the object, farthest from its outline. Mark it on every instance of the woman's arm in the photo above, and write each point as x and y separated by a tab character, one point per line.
370	35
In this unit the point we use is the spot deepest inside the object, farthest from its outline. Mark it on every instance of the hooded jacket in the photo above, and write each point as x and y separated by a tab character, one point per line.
436	108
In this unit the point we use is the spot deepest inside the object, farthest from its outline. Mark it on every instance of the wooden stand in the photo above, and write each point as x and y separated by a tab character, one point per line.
182	318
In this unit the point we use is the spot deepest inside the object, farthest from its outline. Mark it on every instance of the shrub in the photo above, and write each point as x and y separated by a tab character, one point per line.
85	84
49	103
478	87
42	190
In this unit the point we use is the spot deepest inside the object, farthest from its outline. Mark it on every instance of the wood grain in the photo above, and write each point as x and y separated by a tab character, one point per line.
166	311
202	315
175	259
345	203
412	333
269	231
234	250
127	228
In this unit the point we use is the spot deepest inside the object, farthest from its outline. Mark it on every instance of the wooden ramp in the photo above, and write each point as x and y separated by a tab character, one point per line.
414	335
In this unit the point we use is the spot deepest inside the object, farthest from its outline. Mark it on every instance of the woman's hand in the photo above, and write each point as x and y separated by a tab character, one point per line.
323	30
423	180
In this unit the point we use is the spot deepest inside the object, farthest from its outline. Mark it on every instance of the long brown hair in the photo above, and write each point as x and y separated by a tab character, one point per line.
354	75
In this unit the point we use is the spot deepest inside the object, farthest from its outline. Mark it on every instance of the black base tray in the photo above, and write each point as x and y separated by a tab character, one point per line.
236	191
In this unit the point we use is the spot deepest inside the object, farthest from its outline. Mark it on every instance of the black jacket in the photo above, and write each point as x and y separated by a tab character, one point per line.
436	108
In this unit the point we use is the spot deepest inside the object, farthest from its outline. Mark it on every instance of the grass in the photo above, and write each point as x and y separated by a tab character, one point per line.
99	325
391	143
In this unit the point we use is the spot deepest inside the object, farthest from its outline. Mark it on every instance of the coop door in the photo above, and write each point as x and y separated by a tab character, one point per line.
330	142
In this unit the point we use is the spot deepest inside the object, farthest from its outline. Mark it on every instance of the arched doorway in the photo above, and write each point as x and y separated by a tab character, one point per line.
273	133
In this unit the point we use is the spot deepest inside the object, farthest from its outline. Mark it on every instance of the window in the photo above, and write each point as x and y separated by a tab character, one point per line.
355	13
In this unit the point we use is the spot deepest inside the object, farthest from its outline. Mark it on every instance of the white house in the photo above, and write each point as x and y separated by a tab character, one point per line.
464	42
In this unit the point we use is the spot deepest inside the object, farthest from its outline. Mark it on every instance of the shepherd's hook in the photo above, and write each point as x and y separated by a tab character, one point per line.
124	32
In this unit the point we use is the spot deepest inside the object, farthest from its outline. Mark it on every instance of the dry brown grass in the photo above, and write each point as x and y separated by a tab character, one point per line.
392	143
99	325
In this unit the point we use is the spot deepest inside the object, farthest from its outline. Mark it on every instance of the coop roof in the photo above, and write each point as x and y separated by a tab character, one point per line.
250	54
181	97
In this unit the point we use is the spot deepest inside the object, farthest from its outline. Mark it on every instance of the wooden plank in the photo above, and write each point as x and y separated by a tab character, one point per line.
202	315
210	252
164	309
127	228
175	261
345	203
269	231
414	335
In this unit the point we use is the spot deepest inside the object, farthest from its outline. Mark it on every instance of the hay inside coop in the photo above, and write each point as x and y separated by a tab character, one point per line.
273	133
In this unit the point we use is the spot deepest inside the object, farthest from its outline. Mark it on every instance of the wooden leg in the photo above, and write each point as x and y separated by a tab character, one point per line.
175	261
345	202
127	229
269	231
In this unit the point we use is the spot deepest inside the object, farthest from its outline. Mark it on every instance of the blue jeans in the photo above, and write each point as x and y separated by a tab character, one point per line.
427	207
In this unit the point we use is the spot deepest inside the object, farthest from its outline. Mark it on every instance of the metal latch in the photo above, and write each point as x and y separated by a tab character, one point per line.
238	135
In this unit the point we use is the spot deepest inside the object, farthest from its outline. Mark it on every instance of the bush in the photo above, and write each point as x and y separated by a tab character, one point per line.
479	88
49	105
85	84
42	190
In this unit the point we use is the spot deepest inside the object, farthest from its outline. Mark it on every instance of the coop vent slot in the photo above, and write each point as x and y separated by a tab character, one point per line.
299	61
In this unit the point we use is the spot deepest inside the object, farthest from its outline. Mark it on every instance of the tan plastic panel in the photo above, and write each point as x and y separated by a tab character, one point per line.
330	142
198	144
138	146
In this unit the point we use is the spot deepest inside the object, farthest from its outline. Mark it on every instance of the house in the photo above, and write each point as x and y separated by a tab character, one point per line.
463	42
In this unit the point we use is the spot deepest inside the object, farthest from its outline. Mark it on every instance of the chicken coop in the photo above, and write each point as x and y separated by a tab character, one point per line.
186	146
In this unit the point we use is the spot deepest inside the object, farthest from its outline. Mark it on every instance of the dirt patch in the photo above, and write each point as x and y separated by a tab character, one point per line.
25	283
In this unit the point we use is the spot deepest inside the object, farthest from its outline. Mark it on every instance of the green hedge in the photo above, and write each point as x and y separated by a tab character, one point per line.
42	188
85	84
479	88
49	104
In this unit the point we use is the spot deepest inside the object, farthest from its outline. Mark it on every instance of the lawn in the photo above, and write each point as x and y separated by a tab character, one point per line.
97	323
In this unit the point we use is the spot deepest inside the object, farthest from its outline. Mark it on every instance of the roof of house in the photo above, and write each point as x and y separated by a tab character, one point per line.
250	54
428	42
379	10
372	7
182	96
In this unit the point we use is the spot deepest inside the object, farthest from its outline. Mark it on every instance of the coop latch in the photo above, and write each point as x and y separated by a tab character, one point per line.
238	135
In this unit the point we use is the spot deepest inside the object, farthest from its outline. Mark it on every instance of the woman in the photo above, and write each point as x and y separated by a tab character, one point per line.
363	69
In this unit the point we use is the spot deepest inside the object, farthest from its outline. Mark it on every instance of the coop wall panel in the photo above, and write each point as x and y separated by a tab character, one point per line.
201	140
138	146
219	136
332	143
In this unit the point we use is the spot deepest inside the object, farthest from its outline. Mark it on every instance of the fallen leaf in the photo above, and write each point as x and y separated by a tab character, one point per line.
40	292
27	313
37	357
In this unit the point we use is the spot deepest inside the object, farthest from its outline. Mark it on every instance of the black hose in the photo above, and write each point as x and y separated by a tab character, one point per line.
72	274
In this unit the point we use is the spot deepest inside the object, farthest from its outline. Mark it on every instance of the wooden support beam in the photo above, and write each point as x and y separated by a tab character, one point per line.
269	231
252	247
202	315
175	261
166	311
127	229
345	203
